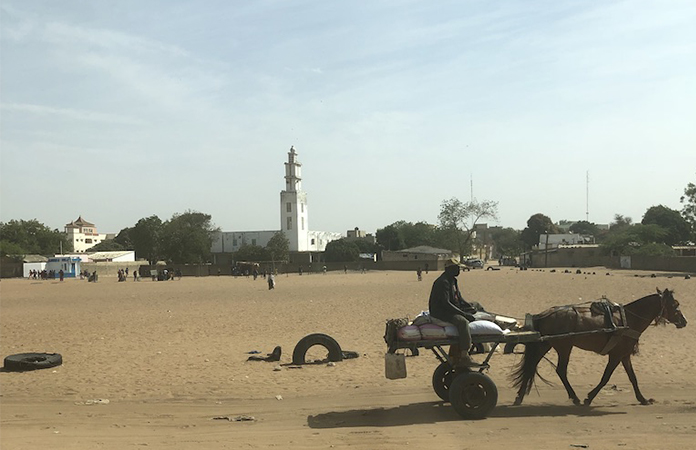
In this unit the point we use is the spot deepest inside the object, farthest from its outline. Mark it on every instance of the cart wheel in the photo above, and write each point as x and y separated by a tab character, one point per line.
442	379
473	395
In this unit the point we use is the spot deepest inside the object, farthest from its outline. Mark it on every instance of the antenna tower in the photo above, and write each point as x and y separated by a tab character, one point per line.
587	196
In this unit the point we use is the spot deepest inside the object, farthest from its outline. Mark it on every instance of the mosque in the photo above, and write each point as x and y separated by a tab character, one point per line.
294	220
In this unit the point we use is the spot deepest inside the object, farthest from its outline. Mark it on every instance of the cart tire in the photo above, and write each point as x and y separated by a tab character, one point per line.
32	361
473	395
442	380
326	341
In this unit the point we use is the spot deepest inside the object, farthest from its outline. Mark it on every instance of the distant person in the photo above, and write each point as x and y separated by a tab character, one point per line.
345	269
323	269
135	275
300	270
271	281
61	274
419	272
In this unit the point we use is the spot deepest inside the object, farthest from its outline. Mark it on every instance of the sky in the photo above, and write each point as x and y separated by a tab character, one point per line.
117	111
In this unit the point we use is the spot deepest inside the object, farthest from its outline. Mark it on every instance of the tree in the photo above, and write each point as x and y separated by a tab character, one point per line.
252	253
341	250
584	227
630	239
689	209
123	238
390	238
31	237
537	225
676	227
187	238
108	245
507	242
620	222
278	247
459	220
146	237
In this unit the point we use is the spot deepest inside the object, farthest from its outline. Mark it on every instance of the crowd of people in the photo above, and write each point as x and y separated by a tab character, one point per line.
46	274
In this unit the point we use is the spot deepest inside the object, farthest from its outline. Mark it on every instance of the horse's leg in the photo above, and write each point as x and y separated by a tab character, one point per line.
562	369
628	366
613	362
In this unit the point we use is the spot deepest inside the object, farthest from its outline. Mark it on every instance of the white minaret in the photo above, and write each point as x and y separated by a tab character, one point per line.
293	205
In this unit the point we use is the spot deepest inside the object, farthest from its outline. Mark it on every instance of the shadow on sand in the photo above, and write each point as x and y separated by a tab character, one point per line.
432	412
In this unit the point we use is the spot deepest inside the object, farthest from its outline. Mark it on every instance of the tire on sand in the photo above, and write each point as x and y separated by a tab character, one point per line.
32	361
324	340
442	380
473	395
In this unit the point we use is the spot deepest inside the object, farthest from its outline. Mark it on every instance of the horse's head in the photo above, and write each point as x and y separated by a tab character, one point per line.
670	309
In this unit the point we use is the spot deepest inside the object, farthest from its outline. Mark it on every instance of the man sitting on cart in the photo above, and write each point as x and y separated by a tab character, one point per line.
446	303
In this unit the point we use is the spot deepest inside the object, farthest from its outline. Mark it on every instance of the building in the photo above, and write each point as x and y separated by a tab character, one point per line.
68	264
84	235
357	234
294	220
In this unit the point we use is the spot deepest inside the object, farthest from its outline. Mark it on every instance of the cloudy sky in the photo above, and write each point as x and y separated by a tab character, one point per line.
120	110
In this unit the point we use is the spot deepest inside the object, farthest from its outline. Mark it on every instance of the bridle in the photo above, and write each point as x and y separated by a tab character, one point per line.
660	318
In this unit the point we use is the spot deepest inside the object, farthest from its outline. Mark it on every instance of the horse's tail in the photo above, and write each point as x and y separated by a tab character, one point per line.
524	372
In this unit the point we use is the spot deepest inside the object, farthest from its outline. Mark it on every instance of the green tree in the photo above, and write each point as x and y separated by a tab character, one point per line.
537	225
584	227
628	240
677	228
252	253
459	219
389	238
689	209
187	238
341	250
108	245
123	239
146	237
278	247
32	237
507	242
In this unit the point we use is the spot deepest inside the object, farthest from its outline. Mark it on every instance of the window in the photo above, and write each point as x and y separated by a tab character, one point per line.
234	242
312	241
289	224
88	241
288	207
303	223
302	207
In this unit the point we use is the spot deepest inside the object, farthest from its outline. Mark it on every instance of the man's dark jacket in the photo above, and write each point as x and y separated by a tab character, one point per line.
446	300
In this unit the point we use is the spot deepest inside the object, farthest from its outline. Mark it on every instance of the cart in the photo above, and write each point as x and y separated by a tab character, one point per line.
472	393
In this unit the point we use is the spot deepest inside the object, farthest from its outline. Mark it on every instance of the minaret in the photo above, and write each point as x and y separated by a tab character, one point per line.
293	205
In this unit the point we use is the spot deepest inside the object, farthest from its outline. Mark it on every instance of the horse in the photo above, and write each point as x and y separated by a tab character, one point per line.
659	308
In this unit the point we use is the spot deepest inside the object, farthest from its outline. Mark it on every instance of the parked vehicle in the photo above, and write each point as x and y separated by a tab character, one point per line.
474	263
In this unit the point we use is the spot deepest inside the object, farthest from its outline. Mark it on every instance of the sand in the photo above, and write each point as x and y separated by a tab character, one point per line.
152	364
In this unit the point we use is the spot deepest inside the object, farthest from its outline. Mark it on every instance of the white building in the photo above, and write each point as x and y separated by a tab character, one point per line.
83	235
294	220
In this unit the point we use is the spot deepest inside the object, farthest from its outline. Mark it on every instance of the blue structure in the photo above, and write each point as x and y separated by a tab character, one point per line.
68	264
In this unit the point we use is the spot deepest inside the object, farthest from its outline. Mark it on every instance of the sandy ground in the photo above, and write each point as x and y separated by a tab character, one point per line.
151	364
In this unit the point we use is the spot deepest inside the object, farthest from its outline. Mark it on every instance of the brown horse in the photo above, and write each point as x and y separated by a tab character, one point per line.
660	308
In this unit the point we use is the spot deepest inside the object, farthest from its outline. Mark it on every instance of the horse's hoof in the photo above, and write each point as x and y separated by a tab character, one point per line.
517	402
576	401
647	402
587	402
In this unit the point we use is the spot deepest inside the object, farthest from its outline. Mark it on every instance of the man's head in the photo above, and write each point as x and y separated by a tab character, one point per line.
453	266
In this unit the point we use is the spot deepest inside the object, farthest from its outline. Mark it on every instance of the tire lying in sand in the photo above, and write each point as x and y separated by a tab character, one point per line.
32	361
324	340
